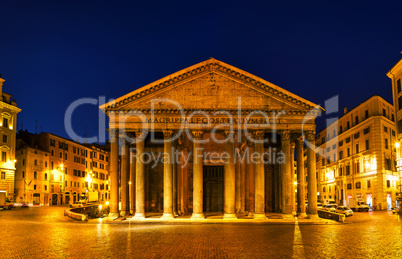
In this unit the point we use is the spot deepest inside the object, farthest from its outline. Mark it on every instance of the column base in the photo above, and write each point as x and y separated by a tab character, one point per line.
124	213
167	216
138	216
196	216
229	216
302	215
176	214
113	216
287	216
250	214
312	216
259	216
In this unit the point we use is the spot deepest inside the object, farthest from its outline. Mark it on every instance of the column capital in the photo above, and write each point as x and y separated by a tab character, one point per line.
258	134
197	134
113	133
285	135
300	140
310	136
140	133
167	134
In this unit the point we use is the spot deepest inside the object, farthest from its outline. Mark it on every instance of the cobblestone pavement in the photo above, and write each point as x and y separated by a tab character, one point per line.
45	233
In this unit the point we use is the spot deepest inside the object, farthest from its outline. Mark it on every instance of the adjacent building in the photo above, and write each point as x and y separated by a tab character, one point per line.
52	170
8	124
356	156
395	74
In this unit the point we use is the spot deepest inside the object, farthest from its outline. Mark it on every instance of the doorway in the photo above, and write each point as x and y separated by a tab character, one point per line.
213	188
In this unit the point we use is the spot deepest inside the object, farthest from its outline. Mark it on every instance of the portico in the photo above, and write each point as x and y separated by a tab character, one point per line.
211	137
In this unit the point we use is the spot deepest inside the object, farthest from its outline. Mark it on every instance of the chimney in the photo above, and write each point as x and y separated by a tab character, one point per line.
1	85
345	110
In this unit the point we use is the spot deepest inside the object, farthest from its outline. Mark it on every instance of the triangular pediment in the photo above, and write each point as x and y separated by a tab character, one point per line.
210	85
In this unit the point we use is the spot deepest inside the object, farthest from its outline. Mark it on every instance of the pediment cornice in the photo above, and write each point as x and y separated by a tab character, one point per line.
209	66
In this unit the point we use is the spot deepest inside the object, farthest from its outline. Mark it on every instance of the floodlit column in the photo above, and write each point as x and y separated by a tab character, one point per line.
286	176
312	182
237	181
259	176
242	184
301	205
229	178
132	180
292	175
174	172
246	181
168	176
140	176
125	166
251	181
198	205
114	173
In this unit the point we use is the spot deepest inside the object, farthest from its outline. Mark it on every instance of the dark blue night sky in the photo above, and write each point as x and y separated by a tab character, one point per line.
55	52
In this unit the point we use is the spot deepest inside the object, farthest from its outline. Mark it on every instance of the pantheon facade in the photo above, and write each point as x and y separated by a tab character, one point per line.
212	138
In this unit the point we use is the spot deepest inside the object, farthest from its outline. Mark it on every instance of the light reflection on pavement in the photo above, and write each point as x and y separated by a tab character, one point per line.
45	232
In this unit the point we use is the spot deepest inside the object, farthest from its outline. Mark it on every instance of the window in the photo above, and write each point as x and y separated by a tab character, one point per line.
52	152
393	133
35	175
45	163
23	174
23	161
398	85
367	144
340	171
340	154
347	169
52	143
349	186
5	122
347	140
36	162
357	167
386	143
4	156
45	187
384	113
392	117
385	129
3	175
358	185
357	135
399	102
368	183
65	156
388	183
51	165
387	164
334	146
347	125
366	114
45	176
34	186
357	148
366	130
341	143
340	130
357	120
4	138
348	151
61	155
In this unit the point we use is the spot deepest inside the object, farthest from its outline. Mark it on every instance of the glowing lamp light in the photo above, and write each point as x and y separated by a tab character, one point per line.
107	202
15	161
295	182
397	145
100	207
129	182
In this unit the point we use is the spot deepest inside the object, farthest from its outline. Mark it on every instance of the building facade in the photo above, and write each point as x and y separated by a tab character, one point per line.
195	116
356	156
52	170
8	124
395	74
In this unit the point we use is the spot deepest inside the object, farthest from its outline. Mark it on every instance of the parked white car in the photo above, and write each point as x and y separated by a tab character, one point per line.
330	207
344	210
78	204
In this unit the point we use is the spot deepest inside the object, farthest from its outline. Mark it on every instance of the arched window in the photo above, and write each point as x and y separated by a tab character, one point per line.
35	175
45	176
36	162
45	163
23	174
